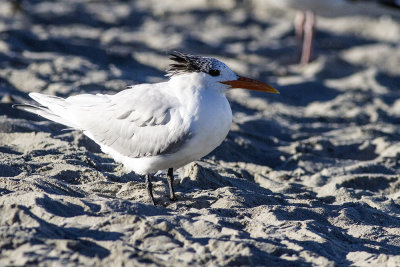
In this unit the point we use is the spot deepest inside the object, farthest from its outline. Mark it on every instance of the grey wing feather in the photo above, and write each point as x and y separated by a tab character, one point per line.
136	122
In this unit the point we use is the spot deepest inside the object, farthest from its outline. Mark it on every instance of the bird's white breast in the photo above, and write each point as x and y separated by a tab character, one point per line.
210	126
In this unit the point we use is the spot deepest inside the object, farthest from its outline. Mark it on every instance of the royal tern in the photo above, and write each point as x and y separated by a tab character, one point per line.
152	127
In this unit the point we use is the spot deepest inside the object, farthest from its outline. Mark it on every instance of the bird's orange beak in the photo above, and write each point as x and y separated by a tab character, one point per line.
247	83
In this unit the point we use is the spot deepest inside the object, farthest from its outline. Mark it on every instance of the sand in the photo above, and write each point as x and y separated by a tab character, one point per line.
309	177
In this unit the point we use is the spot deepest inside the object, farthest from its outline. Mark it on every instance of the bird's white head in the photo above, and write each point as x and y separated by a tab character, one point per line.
214	73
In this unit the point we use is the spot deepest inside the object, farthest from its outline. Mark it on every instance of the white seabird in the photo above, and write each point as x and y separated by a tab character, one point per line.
152	127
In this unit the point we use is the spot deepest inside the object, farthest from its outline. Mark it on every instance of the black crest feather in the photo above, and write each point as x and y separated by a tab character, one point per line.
185	63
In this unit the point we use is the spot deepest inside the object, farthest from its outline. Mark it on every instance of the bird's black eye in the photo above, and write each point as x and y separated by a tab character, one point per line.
214	72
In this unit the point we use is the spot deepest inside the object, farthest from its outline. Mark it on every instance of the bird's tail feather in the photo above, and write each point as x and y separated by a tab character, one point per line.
51	107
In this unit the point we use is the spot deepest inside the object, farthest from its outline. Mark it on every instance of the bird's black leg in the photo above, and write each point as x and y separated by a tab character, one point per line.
149	188
170	176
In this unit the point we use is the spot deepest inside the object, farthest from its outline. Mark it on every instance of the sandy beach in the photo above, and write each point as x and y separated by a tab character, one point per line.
309	177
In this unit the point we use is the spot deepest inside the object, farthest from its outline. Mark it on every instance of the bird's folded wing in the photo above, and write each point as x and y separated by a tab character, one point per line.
136	122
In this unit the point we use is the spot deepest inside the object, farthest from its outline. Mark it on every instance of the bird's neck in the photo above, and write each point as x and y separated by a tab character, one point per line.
194	90
195	83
